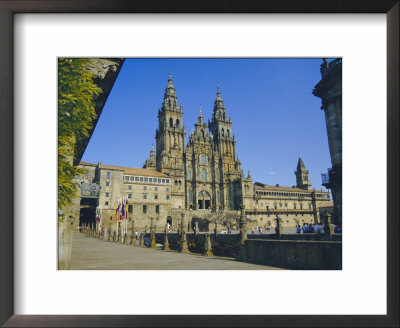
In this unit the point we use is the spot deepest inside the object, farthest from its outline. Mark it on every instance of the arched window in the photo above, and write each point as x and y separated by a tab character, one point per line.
202	133
203	174
203	159
227	133
222	132
171	122
177	123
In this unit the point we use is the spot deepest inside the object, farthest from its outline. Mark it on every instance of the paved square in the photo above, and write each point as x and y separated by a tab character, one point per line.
89	253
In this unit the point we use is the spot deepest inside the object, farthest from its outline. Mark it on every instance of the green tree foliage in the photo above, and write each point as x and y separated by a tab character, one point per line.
76	111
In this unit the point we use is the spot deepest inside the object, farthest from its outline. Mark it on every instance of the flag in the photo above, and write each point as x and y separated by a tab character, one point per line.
98	214
123	209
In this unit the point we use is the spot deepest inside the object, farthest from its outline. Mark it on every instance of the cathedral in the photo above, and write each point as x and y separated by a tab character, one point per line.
202	178
205	173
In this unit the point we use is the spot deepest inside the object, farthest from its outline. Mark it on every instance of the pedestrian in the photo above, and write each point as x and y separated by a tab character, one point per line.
136	235
298	229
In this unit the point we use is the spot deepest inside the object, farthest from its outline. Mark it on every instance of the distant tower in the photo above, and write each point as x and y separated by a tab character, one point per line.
301	173
170	135
151	161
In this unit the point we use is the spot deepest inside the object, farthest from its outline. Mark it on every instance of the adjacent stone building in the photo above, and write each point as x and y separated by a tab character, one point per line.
329	89
202	179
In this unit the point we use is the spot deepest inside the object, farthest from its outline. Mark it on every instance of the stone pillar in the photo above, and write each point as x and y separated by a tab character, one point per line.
184	245
152	234
166	243
207	246
243	226
278	228
141	240
327	226
242	255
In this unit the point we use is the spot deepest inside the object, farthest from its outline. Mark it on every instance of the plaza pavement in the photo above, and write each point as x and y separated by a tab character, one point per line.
89	253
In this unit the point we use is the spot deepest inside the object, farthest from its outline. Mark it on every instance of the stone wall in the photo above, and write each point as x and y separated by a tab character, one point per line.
294	254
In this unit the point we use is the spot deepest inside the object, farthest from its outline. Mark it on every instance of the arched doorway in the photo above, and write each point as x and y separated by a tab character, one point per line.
87	213
203	200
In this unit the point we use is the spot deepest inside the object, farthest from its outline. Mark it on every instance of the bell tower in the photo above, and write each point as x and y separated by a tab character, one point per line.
170	135
221	129
301	173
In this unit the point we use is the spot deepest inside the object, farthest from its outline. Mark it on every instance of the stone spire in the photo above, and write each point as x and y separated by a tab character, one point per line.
300	165
170	99
219	107
302	176
200	118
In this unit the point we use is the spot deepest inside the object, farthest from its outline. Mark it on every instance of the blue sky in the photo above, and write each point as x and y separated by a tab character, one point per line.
275	117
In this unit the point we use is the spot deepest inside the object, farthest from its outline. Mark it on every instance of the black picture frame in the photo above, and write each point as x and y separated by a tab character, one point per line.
10	7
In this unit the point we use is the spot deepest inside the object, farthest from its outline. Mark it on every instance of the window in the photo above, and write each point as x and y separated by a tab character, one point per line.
107	194
106	203
146	179
190	197
111	217
130	196
155	196
136	178
167	189
141	179
177	123
130	187
167	197
144	187
159	180
157	208
155	188
130	208
171	123
294	206
167	180
107	184
108	175
132	178
203	159
144	208
126	178
144	196
203	174
163	180
189	175
150	179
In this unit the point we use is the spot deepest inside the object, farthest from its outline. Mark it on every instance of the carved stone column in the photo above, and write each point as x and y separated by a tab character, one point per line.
166	243
207	246
242	255
152	234
278	228
184	245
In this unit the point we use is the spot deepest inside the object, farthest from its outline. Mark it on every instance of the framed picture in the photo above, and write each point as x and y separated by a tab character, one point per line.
196	305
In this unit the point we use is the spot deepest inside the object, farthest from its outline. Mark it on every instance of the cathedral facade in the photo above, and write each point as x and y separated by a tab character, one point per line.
205	173
202	178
